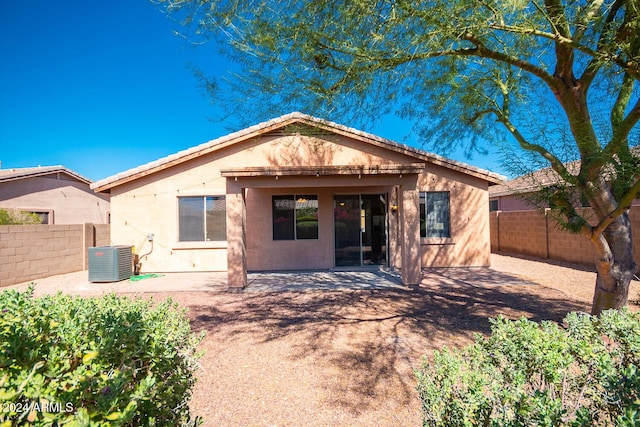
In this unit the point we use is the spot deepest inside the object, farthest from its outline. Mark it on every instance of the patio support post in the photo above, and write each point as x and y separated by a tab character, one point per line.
395	233
410	226
236	236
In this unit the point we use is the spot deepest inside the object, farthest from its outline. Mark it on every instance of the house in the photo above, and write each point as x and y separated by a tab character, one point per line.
56	194
298	192
518	194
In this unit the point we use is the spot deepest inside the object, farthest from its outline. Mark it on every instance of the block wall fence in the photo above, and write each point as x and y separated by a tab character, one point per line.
536	234
30	252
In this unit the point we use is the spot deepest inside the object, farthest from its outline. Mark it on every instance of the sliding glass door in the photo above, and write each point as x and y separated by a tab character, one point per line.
360	223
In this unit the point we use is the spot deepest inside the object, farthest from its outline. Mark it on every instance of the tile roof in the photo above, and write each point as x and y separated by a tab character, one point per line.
277	123
22	173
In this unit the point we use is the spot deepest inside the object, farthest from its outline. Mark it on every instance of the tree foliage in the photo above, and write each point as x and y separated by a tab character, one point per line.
548	81
454	68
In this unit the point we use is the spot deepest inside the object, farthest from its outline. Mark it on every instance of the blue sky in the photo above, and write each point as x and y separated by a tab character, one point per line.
103	86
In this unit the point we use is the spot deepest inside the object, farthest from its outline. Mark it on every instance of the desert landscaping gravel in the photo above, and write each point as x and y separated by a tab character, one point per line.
346	358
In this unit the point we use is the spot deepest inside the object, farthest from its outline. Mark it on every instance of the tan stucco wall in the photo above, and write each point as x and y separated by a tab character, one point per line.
512	203
71	202
149	205
470	243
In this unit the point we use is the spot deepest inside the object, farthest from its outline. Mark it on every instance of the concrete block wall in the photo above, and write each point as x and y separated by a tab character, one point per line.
494	230
30	252
102	234
536	234
522	232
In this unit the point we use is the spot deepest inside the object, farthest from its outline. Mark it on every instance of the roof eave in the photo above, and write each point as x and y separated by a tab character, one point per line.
46	171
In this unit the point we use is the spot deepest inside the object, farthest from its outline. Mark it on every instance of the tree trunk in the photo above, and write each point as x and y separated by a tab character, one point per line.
615	268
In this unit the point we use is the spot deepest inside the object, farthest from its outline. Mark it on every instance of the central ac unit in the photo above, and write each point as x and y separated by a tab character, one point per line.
110	263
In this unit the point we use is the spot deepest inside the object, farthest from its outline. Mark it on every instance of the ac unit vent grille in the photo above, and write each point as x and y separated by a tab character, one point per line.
110	263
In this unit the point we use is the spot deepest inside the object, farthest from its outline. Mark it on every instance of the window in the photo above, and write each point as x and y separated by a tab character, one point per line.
434	214
44	217
493	205
202	219
295	217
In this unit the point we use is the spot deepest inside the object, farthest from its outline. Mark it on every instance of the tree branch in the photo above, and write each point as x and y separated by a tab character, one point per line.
564	52
587	16
598	56
621	129
623	205
556	164
596	62
484	52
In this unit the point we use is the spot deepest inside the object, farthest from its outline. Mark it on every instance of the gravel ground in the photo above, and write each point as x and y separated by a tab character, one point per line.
346	358
575	280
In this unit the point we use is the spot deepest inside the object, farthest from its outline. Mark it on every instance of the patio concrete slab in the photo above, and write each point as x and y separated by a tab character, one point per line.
329	280
77	283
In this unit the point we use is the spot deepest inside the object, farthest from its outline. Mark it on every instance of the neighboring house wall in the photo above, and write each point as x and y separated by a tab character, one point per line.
67	201
536	234
31	252
512	203
148	205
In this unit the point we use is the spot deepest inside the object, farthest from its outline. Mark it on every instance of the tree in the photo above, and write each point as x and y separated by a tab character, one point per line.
556	79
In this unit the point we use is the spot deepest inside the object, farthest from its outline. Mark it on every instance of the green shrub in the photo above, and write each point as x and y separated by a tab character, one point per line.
94	361
528	374
16	217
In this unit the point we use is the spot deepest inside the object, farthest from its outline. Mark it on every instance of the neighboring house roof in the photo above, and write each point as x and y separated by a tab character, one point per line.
531	182
13	174
274	125
541	178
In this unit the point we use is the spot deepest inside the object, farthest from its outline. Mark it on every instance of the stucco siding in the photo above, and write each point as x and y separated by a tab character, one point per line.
469	244
68	201
148	204
264	253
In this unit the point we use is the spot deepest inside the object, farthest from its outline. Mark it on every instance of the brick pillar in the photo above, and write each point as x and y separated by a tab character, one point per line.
410	226
88	241
236	236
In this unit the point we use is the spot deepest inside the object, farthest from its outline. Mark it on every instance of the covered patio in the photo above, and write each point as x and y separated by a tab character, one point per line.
249	191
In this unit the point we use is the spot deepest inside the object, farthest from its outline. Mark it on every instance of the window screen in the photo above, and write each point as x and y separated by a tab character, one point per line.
295	217
435	214
202	218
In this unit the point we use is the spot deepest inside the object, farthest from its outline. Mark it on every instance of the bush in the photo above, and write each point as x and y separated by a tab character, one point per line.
528	374
16	217
94	361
